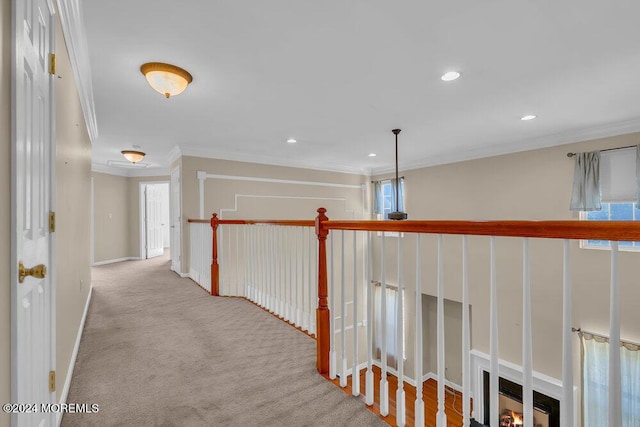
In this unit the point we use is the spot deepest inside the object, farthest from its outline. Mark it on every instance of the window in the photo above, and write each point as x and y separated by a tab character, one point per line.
621	211
385	198
595	382
391	324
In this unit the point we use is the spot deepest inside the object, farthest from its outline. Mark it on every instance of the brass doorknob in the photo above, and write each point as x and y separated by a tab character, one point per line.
39	271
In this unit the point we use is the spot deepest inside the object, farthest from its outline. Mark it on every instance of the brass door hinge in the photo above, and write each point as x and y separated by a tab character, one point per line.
52	222
52	381
52	63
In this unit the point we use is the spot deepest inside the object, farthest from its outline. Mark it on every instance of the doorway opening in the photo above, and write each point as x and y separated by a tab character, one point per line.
154	219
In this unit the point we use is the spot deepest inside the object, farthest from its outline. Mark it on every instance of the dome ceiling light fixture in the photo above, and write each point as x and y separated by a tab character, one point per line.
398	214
133	156
167	79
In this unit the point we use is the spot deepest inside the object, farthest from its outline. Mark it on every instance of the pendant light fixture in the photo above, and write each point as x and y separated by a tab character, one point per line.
167	79
398	214
133	156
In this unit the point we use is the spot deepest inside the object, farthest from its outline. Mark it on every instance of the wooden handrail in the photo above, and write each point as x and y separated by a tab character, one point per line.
199	221
592	230
287	222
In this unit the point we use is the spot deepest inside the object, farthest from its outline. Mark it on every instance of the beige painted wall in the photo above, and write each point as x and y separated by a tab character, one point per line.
531	185
73	212
111	217
264	200
5	206
117	215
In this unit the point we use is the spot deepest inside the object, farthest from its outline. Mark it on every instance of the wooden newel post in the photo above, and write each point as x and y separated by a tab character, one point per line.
215	268
322	312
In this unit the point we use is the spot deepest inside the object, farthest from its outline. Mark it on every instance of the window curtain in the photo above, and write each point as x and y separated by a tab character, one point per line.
398	208
595	382
377	197
391	327
586	182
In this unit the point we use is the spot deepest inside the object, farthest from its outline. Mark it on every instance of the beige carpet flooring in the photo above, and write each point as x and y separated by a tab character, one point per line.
158	350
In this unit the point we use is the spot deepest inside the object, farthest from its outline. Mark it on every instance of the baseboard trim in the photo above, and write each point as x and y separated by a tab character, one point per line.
112	261
74	355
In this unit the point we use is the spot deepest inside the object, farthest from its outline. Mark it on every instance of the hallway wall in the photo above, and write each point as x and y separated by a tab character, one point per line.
117	215
73	212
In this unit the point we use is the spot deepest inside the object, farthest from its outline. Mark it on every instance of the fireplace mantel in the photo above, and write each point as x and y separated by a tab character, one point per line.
544	384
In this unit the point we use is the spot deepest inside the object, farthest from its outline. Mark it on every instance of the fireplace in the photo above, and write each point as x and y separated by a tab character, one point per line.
546	410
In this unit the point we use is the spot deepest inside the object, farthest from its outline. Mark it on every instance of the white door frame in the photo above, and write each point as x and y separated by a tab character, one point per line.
142	208
16	101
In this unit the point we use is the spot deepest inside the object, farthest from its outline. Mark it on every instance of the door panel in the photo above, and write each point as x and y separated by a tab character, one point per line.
175	220
153	216
33	317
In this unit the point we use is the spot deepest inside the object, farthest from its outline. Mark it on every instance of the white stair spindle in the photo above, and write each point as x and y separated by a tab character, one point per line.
384	384
332	310
369	376
303	280
343	315
419	404
298	281
493	338
527	356
466	338
441	416
566	410
237	227
355	372
615	391
312	303
400	395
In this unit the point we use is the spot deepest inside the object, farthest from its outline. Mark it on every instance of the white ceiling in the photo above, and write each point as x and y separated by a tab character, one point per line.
339	75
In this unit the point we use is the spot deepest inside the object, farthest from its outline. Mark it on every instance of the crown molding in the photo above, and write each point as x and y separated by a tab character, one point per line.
73	28
174	155
551	140
209	153
129	173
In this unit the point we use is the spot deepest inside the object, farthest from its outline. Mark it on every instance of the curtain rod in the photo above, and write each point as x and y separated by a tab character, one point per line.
389	179
606	149
579	331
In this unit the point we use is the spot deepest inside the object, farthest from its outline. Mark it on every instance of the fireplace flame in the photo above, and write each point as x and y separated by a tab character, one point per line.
517	419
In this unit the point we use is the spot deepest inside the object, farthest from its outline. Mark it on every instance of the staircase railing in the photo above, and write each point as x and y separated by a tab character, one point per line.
279	266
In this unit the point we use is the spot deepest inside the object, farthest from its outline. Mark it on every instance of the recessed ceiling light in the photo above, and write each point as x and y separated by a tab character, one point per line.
372	154
450	76
528	117
291	141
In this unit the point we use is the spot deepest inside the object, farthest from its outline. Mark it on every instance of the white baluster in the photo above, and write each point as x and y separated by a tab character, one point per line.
493	338
369	377
332	309
279	309
298	281
566	410
466	338
343	315
400	395
355	372
527	356
615	390
419	404
384	384
237	227
441	416
312	302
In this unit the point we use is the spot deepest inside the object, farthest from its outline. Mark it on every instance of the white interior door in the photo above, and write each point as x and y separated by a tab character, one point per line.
32	309
175	220
153	220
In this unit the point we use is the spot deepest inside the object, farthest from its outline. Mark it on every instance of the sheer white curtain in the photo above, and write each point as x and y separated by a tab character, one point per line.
595	382
390	333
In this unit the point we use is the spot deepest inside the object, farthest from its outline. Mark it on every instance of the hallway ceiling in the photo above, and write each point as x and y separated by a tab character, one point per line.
339	75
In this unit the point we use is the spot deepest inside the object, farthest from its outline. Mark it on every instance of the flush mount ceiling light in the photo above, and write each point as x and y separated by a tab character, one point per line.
167	79
291	141
133	156
528	117
450	76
